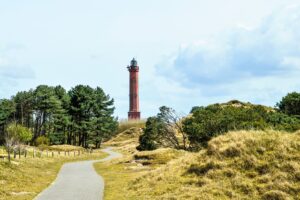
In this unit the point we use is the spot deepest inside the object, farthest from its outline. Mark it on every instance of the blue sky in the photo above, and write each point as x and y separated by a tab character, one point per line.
191	52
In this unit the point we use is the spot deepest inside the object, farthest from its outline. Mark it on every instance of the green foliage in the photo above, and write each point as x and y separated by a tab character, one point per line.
214	120
290	104
91	113
24	107
162	130
47	107
42	140
18	133
148	140
281	121
56	138
81	116
7	109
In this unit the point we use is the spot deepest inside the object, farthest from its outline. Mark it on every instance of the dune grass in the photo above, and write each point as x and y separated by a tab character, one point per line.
64	147
125	125
118	174
238	165
116	177
25	178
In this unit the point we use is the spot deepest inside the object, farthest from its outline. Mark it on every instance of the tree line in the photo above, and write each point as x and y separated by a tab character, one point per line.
192	132
82	116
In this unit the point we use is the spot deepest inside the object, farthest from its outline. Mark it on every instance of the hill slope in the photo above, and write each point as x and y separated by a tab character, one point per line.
238	165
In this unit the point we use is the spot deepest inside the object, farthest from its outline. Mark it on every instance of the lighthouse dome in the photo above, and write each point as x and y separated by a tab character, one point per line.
133	63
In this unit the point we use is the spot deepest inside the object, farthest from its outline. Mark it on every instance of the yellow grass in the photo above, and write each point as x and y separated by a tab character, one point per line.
64	147
125	125
121	172
126	141
25	178
239	165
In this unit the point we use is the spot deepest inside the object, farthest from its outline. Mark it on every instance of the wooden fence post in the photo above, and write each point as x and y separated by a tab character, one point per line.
15	154
25	153
19	153
33	152
52	154
8	154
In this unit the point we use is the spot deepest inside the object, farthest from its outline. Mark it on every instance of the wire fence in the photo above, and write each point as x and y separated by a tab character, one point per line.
36	153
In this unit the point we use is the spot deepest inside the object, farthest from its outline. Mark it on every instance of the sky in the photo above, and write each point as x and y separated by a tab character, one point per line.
190	53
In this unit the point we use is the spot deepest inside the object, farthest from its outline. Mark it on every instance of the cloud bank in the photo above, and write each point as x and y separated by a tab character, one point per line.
11	72
253	64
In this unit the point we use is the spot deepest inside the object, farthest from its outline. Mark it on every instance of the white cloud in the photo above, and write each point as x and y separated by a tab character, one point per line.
253	64
12	73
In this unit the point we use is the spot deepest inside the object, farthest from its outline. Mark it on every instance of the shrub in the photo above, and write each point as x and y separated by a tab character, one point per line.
18	132
148	140
42	140
290	104
214	120
163	130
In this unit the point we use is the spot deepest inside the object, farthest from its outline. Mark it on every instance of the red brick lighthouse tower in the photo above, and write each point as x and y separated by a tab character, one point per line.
134	107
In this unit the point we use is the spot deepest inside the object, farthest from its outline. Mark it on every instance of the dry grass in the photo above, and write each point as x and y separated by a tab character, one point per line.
121	172
240	165
125	125
25	178
64	147
157	157
127	141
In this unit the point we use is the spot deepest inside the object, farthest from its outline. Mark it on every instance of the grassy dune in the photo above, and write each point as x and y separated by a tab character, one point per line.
239	165
25	178
119	174
125	125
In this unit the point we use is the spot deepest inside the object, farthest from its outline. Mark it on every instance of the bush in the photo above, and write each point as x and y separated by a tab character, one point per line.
148	139
19	133
281	121
214	120
42	140
163	130
290	104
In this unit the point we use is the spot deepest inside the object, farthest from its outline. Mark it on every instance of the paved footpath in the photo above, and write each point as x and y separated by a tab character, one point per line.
78	181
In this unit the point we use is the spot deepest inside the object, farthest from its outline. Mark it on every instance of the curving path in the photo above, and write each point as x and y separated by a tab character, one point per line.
78	181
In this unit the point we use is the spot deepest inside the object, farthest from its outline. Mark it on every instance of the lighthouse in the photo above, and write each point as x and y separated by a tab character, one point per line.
134	107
